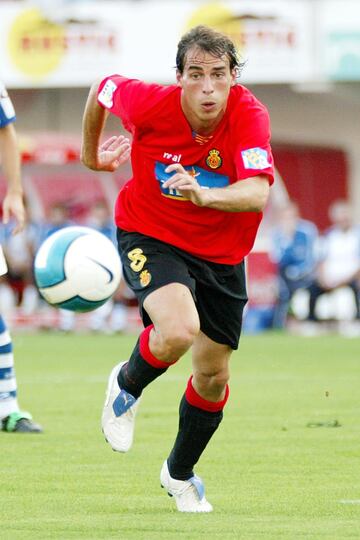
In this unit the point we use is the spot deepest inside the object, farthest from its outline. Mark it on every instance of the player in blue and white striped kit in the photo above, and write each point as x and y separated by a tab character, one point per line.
293	250
12	420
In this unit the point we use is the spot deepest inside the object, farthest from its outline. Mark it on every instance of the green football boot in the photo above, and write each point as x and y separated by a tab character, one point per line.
20	422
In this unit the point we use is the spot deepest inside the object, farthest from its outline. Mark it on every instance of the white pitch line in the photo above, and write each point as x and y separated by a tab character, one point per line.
349	501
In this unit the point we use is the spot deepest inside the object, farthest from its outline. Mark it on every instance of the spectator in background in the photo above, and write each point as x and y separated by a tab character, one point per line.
100	218
339	259
12	419
58	218
293	243
112	316
17	286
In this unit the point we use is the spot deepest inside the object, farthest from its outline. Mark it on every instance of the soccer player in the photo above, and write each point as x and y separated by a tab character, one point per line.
12	419
293	250
202	168
340	243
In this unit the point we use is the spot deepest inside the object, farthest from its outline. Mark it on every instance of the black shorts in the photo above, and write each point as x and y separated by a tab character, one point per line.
219	290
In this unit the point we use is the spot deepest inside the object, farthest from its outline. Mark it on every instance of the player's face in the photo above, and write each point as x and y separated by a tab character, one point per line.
205	81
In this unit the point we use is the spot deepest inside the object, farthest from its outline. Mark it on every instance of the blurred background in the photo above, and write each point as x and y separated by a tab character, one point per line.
302	61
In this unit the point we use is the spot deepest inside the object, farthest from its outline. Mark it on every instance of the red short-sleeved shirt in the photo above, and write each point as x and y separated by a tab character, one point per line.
239	148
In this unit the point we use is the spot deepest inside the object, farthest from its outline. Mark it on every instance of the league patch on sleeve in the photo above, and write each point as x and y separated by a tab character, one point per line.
255	158
107	93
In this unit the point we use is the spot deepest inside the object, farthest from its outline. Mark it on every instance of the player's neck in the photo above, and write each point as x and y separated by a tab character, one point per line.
204	128
200	126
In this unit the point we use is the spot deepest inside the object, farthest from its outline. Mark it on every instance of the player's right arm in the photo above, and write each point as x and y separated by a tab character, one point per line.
114	151
13	204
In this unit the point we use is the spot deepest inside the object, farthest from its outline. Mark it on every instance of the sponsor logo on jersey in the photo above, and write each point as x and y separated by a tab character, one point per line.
205	179
214	160
107	93
145	278
176	158
255	158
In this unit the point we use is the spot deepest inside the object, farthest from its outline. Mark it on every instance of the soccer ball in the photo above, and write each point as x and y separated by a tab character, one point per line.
77	268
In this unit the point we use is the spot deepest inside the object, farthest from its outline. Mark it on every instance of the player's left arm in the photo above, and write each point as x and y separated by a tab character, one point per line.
247	195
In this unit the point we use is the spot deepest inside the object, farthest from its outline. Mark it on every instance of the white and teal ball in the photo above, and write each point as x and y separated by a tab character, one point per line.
77	268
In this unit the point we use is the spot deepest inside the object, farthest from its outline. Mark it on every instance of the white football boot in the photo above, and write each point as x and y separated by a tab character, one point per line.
118	417
189	494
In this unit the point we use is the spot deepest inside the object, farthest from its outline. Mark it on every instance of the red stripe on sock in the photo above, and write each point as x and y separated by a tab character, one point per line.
195	400
147	355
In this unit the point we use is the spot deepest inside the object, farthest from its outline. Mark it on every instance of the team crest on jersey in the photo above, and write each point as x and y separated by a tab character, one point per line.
214	160
145	278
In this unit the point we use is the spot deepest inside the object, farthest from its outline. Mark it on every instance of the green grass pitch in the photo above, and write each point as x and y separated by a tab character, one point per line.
268	475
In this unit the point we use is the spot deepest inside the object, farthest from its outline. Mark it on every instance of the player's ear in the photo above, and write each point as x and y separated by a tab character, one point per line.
178	77
233	77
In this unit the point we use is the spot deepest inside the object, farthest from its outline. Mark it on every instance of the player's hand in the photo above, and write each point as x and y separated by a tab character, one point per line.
185	182
113	153
13	206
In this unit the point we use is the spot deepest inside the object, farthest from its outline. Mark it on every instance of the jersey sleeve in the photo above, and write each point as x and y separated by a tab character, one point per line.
129	99
7	112
253	154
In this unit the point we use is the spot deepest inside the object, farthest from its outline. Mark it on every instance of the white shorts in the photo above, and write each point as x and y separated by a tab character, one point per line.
3	265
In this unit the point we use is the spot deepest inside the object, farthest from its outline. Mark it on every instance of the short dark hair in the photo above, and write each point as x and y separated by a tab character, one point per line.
208	40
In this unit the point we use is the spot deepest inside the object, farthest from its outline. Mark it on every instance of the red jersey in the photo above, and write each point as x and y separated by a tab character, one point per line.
238	148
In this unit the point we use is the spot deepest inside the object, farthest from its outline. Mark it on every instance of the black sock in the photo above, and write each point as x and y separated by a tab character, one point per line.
136	374
196	427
